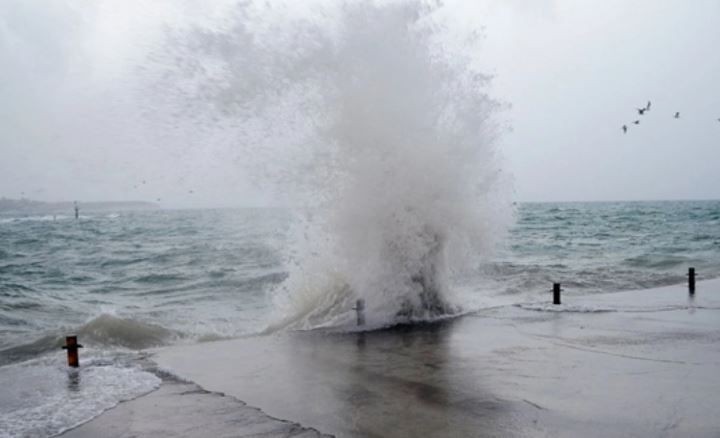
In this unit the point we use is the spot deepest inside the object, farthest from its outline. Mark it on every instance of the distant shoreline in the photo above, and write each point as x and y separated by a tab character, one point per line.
32	206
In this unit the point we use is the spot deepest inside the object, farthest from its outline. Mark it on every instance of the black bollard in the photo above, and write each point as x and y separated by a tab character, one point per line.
360	309
691	280
556	293
72	346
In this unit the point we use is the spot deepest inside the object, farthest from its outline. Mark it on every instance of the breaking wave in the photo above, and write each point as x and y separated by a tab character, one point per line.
373	120
102	331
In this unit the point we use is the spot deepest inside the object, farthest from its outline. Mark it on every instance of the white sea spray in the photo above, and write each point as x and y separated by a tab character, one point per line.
373	122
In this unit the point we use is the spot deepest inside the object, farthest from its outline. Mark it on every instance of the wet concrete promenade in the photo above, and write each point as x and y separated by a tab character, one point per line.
640	363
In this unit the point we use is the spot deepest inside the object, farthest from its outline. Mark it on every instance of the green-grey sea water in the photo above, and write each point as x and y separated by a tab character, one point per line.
138	279
127	281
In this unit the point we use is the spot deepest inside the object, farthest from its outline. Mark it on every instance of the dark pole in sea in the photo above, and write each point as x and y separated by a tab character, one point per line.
691	280
77	211
360	309
556	293
72	346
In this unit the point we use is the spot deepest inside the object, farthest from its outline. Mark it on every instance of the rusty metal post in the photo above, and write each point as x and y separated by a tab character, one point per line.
360	309
691	280
556	293
72	346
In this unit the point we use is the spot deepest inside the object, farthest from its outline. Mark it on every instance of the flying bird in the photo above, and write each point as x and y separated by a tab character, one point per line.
637	122
677	115
624	128
641	111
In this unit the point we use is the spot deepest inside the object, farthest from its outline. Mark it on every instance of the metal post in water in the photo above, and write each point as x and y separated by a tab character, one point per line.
691	280
360	309
77	211
556	293
72	346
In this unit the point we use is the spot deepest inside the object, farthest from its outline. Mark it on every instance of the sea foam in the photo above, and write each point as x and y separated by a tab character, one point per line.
372	120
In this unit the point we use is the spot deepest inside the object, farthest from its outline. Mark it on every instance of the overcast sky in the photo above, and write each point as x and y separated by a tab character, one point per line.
572	71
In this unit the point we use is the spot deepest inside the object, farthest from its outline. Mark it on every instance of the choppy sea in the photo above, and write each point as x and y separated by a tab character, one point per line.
128	281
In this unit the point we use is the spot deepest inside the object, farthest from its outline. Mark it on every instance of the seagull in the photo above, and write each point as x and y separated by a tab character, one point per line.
677	115
637	122
641	111
624	128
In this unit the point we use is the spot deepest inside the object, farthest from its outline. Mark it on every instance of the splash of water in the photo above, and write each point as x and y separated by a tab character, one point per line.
370	120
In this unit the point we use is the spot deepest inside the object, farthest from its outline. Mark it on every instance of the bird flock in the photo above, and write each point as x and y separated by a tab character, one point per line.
641	111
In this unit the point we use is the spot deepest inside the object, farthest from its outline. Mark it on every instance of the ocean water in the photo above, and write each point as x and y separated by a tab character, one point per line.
121	282
128	281
608	246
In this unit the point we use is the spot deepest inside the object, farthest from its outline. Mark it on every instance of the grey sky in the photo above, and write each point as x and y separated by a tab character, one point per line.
573	71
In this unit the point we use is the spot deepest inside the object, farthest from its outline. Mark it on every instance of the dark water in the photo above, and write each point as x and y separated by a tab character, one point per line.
601	247
122	282
148	278
141	279
175	274
133	280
